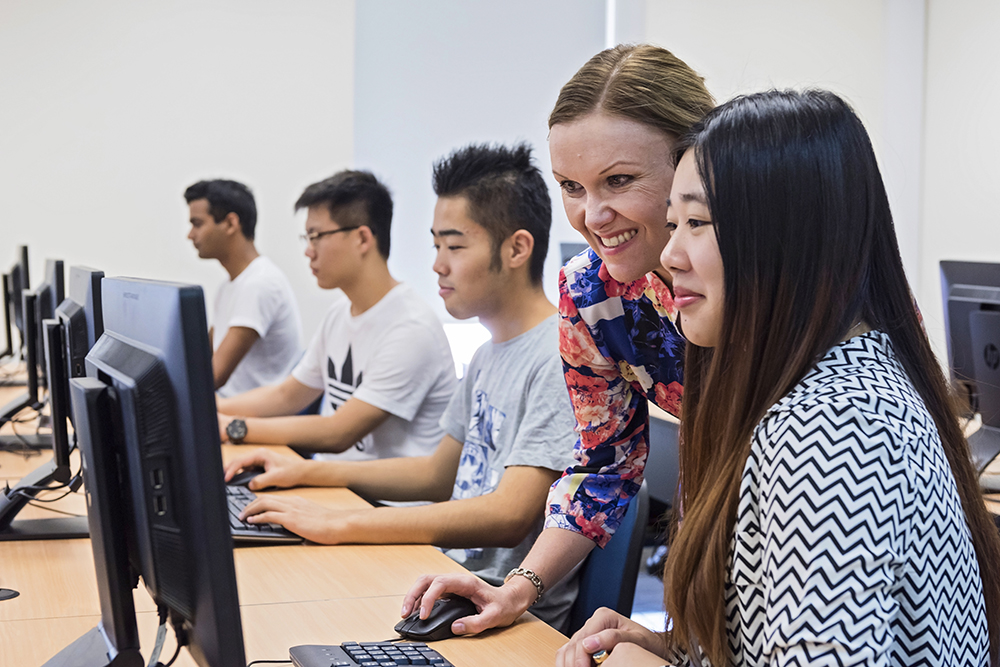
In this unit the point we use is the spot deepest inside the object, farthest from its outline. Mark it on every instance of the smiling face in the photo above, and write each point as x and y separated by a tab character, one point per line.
692	257
615	176
467	279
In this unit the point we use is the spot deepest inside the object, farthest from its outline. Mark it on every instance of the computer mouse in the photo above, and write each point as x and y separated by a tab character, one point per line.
243	477
438	624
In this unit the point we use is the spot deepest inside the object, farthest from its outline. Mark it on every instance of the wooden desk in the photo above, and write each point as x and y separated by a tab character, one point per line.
289	595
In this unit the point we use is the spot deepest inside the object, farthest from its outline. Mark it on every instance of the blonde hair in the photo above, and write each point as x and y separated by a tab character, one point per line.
642	82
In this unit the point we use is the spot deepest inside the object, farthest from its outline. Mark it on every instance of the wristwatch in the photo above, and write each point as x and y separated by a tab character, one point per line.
236	430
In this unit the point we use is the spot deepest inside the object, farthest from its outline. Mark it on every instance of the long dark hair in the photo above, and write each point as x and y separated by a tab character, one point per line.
809	250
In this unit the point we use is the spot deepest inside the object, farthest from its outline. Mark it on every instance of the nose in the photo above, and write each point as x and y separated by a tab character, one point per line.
674	259
440	267
191	234
310	251
597	212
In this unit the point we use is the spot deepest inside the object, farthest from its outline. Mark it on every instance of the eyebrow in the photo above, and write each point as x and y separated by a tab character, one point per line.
447	232
687	197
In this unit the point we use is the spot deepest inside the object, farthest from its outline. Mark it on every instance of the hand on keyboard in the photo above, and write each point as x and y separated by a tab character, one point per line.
303	517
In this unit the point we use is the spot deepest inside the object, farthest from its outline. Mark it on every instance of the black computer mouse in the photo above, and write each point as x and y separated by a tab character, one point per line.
438	625
243	477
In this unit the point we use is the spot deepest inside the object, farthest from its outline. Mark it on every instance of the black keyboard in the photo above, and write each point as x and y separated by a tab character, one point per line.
239	497
366	654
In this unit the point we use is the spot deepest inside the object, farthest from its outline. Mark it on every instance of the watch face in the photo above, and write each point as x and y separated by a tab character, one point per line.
236	430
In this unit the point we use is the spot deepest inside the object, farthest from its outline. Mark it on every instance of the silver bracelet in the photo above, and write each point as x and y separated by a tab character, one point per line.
530	576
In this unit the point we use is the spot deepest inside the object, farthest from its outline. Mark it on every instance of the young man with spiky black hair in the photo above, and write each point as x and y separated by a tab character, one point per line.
255	319
380	359
508	429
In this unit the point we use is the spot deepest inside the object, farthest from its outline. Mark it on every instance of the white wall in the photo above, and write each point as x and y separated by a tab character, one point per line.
438	74
110	109
868	52
961	168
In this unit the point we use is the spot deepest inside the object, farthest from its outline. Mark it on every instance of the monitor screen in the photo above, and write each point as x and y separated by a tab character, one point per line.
48	296
19	281
8	315
154	359
971	294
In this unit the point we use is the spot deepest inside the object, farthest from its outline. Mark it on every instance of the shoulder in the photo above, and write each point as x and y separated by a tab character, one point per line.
857	399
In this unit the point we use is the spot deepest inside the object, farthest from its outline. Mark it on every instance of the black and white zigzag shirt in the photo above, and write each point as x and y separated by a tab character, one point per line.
851	546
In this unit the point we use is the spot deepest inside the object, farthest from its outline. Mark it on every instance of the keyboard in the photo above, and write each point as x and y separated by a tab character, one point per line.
366	654
244	533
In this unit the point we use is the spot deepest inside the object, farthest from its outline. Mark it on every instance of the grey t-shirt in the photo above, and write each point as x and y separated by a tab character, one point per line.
512	409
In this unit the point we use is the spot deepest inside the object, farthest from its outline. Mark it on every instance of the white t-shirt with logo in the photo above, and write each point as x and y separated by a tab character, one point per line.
260	298
394	356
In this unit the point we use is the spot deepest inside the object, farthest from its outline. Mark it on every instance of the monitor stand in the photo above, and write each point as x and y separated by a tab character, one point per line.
985	446
93	650
13	501
30	440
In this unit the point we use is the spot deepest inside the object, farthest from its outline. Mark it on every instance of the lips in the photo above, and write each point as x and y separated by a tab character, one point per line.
615	241
444	290
685	297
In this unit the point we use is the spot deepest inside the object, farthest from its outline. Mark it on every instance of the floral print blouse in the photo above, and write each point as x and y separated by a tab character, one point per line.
619	347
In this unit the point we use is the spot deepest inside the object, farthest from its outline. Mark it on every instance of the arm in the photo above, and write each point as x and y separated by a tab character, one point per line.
554	554
502	518
833	521
415	478
231	351
612	422
332	433
286	398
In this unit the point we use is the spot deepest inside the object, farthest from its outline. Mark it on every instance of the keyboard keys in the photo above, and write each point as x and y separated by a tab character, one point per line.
368	654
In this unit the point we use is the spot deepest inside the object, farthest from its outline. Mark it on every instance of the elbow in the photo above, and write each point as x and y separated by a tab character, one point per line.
512	534
439	495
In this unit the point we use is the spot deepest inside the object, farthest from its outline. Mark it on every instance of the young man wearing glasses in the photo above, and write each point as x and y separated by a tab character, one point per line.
380	360
255	319
509	427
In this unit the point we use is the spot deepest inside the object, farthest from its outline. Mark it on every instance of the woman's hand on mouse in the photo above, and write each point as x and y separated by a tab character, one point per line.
632	643
280	471
498	606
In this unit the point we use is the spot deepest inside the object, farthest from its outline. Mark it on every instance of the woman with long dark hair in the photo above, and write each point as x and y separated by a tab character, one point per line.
831	514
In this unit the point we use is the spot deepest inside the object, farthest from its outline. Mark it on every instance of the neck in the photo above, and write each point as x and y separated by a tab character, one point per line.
239	258
369	286
519	313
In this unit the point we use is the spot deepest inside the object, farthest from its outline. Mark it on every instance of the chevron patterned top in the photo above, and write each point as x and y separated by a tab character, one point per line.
851	546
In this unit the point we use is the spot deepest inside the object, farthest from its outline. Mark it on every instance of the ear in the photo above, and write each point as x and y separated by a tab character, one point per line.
366	240
518	248
232	222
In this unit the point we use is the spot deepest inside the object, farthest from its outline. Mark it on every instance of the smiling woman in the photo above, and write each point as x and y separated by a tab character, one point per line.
823	468
612	133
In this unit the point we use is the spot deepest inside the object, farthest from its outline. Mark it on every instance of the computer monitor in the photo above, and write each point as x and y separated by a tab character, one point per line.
158	431
48	297
8	315
971	294
53	475
30	397
82	316
67	340
20	280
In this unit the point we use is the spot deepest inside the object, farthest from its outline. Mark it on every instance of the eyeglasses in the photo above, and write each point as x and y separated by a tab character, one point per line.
316	236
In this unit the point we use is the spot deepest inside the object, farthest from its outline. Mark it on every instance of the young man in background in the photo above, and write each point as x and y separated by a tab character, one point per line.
255	320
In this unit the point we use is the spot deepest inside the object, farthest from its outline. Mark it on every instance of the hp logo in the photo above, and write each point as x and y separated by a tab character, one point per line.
992	356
